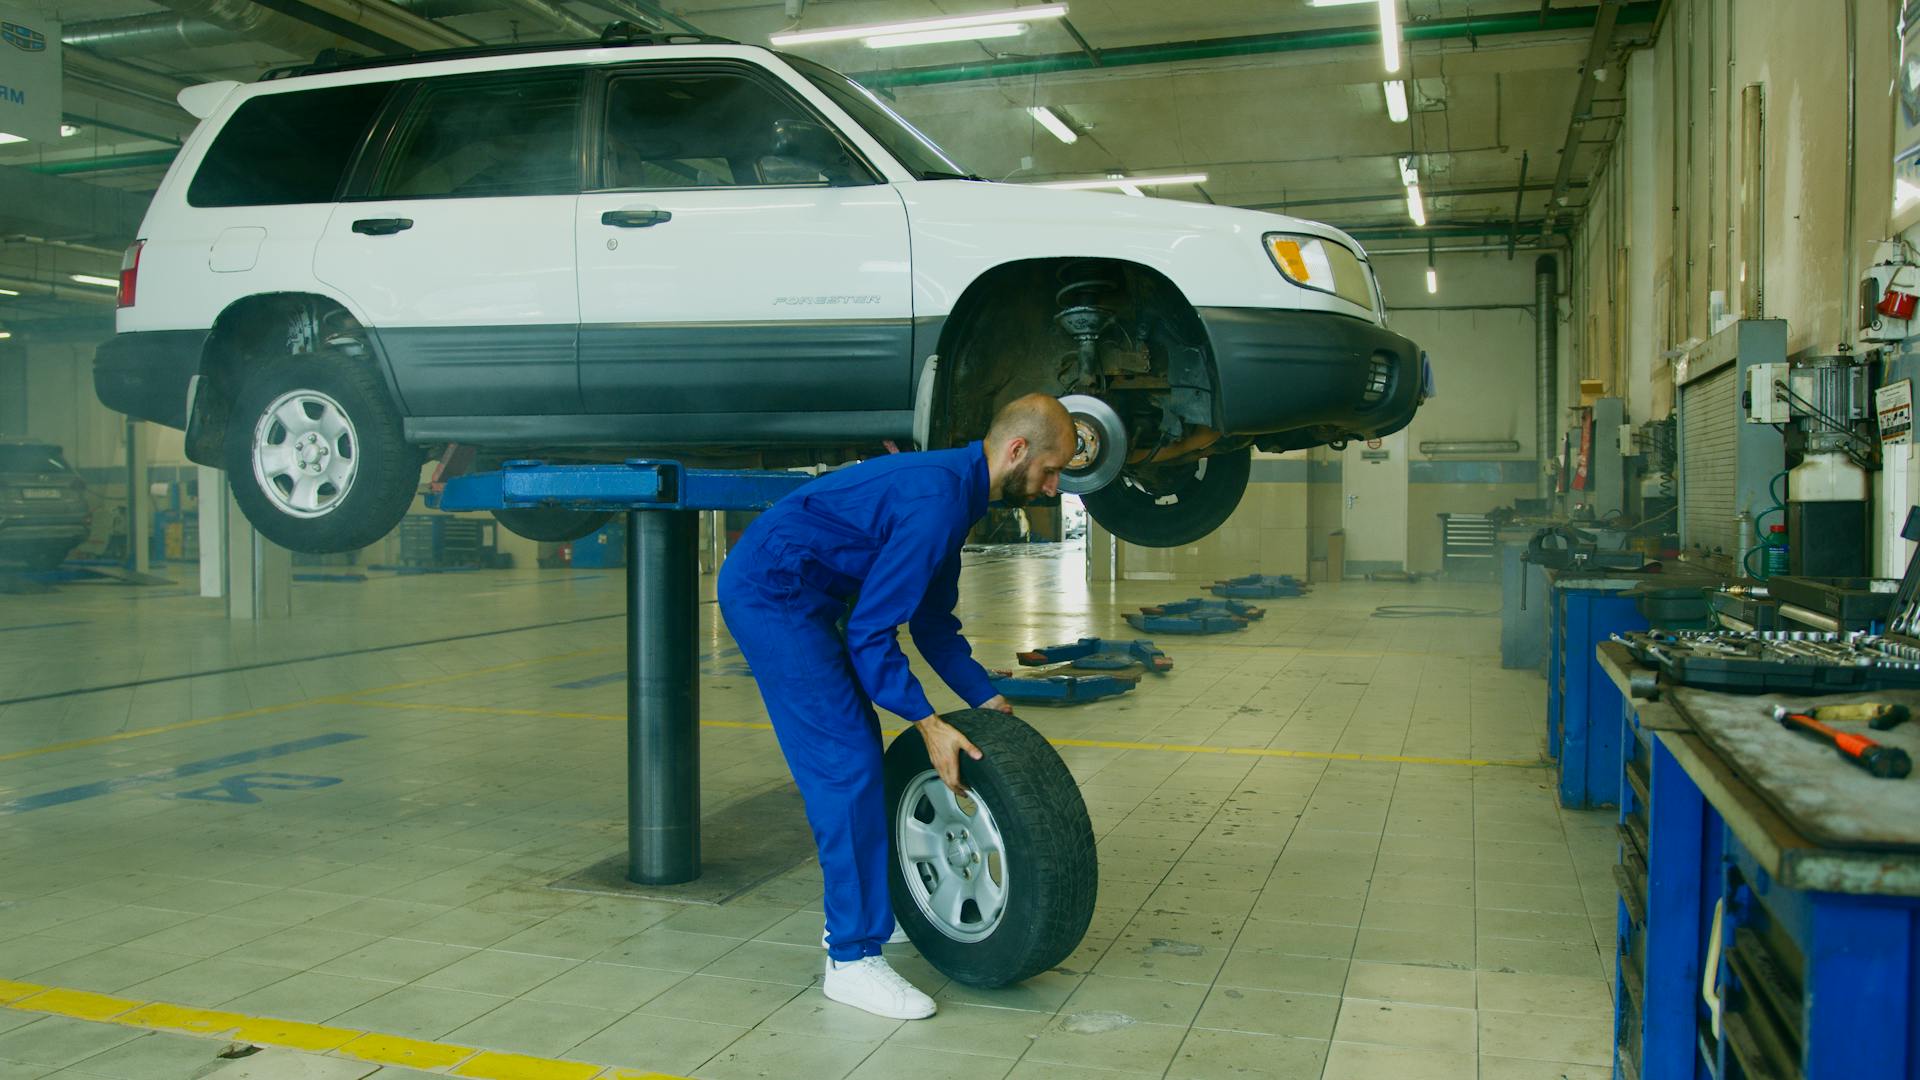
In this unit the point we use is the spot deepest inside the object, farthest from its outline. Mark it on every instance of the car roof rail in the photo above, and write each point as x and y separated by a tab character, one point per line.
616	34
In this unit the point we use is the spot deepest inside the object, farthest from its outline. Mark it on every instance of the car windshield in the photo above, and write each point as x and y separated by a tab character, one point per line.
30	458
921	155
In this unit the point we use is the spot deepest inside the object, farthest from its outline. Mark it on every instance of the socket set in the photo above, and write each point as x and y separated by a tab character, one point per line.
1778	661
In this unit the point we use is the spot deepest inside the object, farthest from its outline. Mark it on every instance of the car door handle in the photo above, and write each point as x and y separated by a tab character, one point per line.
635	219
382	226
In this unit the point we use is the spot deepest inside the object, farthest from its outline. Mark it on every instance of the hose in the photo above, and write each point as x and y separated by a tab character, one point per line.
1778	507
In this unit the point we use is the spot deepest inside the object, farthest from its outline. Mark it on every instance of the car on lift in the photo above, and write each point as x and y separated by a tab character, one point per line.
43	505
686	247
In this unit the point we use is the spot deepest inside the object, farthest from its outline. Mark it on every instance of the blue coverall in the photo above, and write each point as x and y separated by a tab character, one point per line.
888	530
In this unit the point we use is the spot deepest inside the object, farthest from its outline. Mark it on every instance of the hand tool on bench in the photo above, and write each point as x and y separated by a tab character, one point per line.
1887	762
1879	715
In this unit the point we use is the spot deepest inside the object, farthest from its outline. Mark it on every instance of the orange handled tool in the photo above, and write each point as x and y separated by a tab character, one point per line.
1882	761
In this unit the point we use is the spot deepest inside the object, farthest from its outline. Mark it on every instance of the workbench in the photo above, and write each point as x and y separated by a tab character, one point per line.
1523	601
1585	607
1817	958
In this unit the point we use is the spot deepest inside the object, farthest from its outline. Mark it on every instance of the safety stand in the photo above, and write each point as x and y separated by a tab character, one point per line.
661	500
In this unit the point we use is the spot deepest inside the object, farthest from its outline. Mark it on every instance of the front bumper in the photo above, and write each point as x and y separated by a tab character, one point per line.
145	375
22	529
1292	370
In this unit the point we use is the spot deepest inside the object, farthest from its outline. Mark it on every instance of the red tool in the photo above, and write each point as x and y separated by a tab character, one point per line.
1882	761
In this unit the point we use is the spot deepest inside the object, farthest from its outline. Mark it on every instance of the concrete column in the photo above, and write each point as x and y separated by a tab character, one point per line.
259	574
1100	553
213	531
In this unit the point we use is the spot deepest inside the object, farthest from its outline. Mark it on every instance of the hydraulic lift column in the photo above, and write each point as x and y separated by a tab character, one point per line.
663	697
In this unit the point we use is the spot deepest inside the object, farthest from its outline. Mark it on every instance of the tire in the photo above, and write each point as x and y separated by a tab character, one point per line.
1175	504
550	525
1030	822
367	473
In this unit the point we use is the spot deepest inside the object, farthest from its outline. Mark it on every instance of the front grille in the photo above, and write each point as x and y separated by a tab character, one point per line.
1379	380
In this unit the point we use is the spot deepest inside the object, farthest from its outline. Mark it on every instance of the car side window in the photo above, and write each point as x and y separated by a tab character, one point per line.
467	138
697	129
285	149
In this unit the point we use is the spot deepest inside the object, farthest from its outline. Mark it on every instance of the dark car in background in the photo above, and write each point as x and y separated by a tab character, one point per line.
43	505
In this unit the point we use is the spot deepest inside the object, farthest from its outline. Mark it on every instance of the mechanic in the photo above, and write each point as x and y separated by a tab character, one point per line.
884	536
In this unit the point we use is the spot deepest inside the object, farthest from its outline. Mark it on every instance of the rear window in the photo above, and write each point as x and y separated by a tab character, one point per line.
33	459
280	149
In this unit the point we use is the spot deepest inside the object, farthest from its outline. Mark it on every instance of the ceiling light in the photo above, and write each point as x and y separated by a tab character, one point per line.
68	131
994	19
1409	175
1336	3
9	292
6	138
935	37
1433	280
1124	182
5	334
1416	208
89	279
1396	100
1390	34
1052	122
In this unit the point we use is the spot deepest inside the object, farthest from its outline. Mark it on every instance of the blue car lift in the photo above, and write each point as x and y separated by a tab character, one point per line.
1062	687
660	499
1099	654
1259	586
1195	616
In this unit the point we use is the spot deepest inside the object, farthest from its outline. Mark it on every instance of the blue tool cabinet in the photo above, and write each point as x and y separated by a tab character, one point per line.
1817	959
1583	708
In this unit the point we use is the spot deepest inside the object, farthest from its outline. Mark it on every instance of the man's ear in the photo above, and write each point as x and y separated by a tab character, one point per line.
1017	450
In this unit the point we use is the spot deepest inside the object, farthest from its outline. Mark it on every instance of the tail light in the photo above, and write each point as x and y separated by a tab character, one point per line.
130	273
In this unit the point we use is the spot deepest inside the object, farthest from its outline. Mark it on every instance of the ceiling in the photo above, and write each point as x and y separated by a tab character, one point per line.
1291	118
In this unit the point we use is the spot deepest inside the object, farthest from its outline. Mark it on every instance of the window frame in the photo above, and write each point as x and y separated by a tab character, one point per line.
379	148
342	184
600	85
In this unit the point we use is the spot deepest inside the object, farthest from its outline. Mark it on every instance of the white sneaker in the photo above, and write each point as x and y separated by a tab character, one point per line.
899	937
870	983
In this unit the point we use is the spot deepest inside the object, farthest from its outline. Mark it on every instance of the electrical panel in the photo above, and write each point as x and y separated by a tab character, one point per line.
1767	402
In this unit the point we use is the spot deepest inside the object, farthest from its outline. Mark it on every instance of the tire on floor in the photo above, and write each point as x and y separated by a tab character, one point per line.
999	887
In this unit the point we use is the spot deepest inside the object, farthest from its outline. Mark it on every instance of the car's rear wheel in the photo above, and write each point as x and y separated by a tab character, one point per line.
550	525
316	453
1170	505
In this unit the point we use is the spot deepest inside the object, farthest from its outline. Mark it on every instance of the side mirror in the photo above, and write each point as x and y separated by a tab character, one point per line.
808	142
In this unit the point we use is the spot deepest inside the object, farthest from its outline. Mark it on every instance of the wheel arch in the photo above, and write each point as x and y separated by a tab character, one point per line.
262	323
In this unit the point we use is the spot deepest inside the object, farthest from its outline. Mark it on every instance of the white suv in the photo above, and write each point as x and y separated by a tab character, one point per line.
706	250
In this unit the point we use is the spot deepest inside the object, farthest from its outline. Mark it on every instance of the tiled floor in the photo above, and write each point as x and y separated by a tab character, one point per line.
365	841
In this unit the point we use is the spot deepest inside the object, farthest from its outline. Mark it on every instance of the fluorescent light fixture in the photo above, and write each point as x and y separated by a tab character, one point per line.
1409	175
89	279
68	131
1336	3
1396	100
5	334
935	37
1390	34
1124	182
6	138
9	292
1052	122
1433	280
1416	207
917	26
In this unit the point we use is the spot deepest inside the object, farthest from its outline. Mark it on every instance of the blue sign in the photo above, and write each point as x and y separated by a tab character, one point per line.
23	38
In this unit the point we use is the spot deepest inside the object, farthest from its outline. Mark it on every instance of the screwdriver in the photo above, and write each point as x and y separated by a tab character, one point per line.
1882	761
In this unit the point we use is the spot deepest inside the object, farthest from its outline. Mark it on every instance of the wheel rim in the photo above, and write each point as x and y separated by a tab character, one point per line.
1100	445
952	857
305	453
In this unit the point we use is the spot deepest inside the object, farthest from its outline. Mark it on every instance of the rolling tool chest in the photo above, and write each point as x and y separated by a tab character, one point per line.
1769	915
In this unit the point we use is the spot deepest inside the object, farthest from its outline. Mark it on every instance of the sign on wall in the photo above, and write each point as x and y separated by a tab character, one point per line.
29	76
1894	404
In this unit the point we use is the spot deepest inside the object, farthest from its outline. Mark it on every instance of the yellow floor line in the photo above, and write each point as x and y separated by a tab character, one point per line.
268	710
368	1046
1095	744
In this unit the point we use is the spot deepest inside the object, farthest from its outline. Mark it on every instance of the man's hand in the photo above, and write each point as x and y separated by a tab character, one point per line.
944	746
998	703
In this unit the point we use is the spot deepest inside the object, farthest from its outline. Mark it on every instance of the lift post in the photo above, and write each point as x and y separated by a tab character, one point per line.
659	499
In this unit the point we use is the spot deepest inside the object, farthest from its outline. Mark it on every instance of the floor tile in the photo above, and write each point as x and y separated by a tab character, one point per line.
1422	1026
538	1028
1241	1055
1361	1061
891	1062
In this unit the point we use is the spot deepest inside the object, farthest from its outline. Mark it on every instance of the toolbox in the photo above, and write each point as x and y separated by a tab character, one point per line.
1783	661
1852	603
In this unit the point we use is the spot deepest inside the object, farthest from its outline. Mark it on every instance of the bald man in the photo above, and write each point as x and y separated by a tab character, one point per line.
887	531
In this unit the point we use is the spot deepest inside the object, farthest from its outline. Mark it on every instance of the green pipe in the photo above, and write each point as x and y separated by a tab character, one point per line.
1639	12
139	159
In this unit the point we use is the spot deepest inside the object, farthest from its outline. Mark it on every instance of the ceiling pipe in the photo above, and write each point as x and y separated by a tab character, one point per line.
31	287
1399	195
133	35
262	24
1606	16
402	29
1638	12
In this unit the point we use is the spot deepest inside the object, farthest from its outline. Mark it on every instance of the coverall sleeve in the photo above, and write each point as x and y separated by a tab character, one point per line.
924	533
936	633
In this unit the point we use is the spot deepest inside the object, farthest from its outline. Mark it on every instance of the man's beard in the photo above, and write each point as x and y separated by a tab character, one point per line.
1015	491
